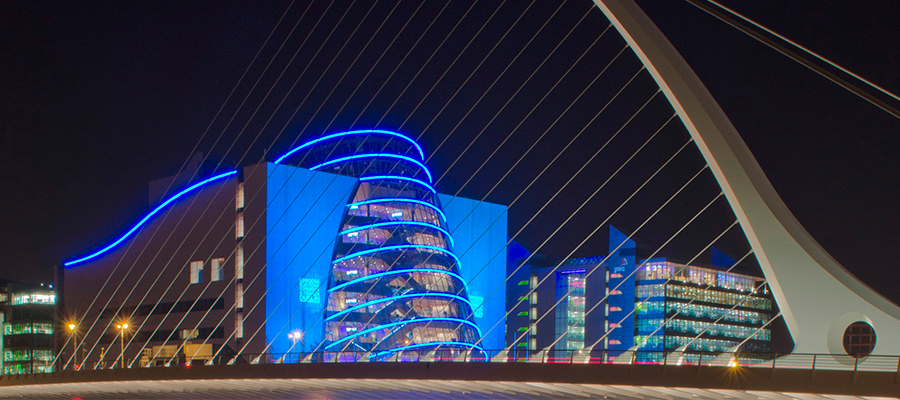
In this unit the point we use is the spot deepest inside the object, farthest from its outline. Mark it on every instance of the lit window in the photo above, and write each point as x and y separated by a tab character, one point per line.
215	269
33	298
239	226
239	262
187	334
239	197
239	295
239	325
196	271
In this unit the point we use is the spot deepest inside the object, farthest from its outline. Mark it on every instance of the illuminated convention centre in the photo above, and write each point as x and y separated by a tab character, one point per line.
341	249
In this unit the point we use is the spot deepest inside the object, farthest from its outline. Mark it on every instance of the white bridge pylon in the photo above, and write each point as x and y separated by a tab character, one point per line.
818	298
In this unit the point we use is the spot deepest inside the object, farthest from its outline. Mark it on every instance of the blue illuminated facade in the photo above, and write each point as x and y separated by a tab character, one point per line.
396	284
342	245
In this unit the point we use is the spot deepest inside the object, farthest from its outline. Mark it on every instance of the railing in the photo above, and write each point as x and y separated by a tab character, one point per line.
696	359
742	360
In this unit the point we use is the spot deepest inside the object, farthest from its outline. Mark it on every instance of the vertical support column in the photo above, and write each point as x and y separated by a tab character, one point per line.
817	296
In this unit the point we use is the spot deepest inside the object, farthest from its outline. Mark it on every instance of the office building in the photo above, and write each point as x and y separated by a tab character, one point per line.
28	321
623	303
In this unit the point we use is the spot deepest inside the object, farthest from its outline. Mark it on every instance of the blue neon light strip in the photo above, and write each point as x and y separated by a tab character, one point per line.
381	224
150	215
367	131
412	346
397	272
399	178
400	200
409	321
398	247
375	155
403	296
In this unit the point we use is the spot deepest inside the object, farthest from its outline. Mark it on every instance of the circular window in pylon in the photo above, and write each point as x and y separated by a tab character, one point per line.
859	339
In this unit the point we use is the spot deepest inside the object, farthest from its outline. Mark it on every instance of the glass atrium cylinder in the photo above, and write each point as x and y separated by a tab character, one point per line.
395	287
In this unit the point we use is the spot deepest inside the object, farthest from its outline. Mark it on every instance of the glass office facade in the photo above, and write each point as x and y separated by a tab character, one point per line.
27	318
705	309
570	312
395	286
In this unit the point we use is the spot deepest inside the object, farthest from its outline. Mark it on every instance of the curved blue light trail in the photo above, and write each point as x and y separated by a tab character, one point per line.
399	178
398	272
400	200
375	155
412	346
398	247
150	215
409	321
359	132
381	224
403	296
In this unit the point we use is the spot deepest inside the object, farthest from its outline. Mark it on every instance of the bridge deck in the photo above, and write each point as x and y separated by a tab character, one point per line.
447	378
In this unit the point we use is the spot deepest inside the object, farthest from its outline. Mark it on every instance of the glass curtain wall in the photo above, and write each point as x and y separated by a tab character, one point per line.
395	288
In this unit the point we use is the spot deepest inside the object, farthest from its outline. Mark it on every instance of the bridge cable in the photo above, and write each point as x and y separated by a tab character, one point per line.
647	220
799	59
182	168
303	218
445	39
648	260
195	225
564	75
510	28
352	34
634	193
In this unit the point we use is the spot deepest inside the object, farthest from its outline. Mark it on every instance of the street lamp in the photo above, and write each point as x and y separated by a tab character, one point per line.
122	328
295	336
74	334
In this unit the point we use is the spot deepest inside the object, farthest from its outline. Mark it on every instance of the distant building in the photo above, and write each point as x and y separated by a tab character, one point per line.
621	302
705	309
28	318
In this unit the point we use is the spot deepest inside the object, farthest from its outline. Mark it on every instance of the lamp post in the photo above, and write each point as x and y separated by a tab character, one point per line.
122	328
74	334
295	336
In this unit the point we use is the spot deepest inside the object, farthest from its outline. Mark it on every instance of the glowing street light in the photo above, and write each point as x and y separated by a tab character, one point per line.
122	328
74	333
295	336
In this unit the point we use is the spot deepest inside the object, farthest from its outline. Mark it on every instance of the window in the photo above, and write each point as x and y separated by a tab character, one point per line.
32	298
239	325
239	226
239	197
215	269
187	334
859	339
196	272
239	262
239	295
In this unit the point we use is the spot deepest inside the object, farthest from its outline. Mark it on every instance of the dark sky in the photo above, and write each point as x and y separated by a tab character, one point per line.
98	98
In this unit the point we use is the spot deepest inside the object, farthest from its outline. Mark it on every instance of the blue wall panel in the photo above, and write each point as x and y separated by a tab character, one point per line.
480	232
302	220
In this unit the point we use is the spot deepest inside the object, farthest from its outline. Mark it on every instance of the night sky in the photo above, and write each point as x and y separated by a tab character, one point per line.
99	98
